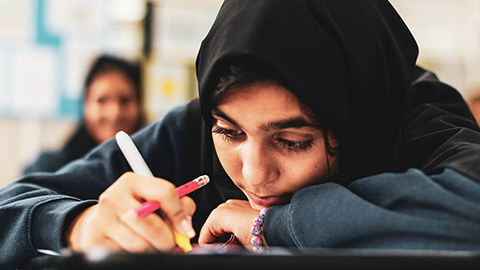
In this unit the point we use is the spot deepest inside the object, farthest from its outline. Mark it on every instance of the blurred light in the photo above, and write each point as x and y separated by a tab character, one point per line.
127	10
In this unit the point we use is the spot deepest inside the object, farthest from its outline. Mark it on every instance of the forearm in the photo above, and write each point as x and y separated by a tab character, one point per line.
33	218
406	211
37	210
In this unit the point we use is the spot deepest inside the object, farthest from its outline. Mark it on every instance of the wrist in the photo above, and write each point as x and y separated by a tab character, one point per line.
73	233
258	240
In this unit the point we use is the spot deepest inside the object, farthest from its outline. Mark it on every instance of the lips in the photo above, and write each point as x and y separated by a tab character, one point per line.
267	201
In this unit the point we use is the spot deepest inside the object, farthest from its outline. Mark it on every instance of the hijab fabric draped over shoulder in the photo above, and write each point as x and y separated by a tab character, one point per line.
353	62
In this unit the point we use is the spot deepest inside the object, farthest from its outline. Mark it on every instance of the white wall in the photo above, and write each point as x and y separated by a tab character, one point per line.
21	140
448	36
86	29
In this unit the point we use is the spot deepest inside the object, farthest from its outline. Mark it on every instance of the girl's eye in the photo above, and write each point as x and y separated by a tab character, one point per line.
124	100
289	145
227	134
295	145
101	100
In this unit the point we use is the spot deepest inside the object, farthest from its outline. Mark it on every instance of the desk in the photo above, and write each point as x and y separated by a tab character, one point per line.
279	259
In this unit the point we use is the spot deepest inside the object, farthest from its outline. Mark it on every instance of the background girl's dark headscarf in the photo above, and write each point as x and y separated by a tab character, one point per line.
351	61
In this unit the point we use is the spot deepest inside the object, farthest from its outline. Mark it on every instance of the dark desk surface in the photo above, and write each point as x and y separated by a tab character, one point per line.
279	259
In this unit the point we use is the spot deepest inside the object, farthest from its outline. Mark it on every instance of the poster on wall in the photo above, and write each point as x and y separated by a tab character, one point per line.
46	47
167	88
33	84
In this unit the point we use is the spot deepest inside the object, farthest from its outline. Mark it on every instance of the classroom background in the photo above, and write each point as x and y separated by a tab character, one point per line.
46	47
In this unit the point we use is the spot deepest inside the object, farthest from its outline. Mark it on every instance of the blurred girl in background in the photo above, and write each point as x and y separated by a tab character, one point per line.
112	102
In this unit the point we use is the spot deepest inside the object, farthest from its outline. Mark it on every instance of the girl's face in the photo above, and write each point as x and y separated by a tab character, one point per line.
268	146
110	106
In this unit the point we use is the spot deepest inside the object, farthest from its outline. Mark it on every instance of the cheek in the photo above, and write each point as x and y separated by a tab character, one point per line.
132	112
92	113
228	157
305	171
130	119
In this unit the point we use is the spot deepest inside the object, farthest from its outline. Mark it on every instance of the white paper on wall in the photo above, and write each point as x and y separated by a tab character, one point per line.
34	92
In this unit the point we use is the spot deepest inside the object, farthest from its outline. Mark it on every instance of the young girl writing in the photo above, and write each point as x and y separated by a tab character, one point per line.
316	120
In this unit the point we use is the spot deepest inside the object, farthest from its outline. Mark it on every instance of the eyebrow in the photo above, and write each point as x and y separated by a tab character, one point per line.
221	114
294	122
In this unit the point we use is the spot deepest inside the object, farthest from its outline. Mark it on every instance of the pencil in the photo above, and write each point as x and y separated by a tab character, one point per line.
138	165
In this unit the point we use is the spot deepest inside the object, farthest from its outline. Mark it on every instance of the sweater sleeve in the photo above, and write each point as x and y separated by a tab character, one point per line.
33	218
390	211
37	209
48	161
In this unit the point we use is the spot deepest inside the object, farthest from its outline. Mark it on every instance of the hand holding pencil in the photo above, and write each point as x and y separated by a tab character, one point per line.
139	166
117	222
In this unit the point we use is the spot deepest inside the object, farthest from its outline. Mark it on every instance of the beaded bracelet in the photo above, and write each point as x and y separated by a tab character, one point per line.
256	231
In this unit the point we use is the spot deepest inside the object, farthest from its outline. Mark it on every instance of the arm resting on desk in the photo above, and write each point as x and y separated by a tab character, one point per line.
400	211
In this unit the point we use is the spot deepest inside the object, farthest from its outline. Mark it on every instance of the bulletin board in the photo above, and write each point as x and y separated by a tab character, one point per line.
46	47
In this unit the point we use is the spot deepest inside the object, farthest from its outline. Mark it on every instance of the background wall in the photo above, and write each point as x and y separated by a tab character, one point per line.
46	47
448	35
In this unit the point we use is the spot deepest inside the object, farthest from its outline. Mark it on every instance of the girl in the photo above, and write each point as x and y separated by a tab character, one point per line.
313	110
112	102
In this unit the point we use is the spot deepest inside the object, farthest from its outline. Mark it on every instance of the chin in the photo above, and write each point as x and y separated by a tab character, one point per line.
256	206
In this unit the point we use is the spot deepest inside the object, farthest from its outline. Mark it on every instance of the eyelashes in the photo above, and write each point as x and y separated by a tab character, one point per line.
227	134
295	145
232	135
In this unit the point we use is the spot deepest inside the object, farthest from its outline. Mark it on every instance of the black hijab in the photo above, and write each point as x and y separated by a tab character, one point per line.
353	63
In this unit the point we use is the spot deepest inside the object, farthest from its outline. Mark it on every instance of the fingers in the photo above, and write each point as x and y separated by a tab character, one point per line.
188	205
127	239
232	217
86	231
165	194
213	228
206	236
100	226
152	229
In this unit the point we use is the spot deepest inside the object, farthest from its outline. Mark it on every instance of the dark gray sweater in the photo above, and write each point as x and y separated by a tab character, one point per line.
409	210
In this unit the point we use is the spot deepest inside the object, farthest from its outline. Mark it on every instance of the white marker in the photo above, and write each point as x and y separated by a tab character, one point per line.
132	155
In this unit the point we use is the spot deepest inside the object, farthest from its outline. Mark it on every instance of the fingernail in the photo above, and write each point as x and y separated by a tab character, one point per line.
187	227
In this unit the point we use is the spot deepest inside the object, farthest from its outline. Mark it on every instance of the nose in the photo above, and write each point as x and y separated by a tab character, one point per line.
113	111
258	166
